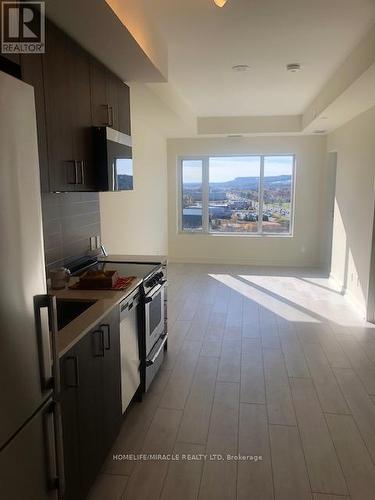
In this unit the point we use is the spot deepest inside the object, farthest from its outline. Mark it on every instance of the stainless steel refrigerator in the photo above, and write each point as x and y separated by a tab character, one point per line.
31	465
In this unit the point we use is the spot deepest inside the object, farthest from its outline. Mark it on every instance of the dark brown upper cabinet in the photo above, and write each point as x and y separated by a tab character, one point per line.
73	93
66	70
32	73
110	105
58	75
100	107
124	108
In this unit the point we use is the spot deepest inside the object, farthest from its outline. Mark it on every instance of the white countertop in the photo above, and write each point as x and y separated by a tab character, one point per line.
106	300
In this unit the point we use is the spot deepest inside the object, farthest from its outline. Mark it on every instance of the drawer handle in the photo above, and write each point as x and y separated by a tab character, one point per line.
107	344
76	371
151	361
100	353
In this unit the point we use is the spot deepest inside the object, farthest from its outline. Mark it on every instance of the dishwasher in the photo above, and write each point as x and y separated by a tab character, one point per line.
129	346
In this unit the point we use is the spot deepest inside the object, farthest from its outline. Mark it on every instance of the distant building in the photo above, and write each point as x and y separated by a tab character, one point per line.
192	218
220	212
218	195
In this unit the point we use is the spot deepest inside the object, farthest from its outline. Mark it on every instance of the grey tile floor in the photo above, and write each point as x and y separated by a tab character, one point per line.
261	362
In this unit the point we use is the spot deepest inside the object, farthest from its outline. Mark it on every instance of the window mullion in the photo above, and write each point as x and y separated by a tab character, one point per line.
261	190
205	194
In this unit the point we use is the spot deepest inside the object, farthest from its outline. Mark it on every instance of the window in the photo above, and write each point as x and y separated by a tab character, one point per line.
227	194
192	200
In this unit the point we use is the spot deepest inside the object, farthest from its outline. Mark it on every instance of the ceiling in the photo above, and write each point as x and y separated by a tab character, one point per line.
204	42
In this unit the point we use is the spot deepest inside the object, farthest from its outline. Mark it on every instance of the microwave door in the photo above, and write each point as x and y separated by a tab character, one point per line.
122	174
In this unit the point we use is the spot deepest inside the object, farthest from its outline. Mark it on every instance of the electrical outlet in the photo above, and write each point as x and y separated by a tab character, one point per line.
92	243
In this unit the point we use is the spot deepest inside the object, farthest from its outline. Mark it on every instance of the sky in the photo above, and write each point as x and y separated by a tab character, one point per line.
124	166
224	169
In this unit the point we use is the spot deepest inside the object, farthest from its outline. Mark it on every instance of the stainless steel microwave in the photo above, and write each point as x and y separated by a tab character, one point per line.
114	159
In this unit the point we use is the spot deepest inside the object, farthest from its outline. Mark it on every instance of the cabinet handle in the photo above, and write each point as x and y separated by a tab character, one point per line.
73	359
110	116
100	353
82	168
75	165
107	344
109	122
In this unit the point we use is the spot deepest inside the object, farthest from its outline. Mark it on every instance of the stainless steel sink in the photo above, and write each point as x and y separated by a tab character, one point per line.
68	310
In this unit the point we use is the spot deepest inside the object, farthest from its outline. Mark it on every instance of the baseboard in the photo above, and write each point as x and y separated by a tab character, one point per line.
241	262
349	295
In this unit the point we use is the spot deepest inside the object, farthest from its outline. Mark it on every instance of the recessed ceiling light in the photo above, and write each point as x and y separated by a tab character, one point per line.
241	67
293	67
220	3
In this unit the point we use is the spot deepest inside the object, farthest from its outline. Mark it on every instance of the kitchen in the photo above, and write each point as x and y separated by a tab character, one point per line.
100	321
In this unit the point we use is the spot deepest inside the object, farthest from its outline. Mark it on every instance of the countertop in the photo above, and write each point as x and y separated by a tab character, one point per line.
141	259
77	329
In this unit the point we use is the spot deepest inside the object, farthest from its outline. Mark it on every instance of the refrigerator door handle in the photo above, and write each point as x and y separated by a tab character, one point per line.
52	429
47	330
59	450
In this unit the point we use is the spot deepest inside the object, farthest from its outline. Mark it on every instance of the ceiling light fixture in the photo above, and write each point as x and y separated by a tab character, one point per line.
241	67
220	3
293	67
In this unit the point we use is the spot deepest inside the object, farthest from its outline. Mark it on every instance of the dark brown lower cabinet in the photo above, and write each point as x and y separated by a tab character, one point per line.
90	404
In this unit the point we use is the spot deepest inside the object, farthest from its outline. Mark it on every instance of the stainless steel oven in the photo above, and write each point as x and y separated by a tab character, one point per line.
154	316
155	336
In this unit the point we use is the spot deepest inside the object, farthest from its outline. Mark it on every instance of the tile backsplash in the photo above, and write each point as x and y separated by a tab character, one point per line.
69	219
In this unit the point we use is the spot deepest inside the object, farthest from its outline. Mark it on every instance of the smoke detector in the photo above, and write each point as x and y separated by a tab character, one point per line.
293	67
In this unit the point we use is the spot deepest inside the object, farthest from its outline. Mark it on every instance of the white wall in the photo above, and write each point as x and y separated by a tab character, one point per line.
135	222
303	249
354	204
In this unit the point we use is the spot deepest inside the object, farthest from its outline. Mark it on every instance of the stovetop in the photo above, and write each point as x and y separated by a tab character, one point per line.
142	271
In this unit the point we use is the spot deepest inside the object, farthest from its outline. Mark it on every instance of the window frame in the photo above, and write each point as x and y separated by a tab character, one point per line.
205	159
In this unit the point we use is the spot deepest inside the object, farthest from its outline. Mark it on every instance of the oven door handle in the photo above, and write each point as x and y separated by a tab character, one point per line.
150	298
151	361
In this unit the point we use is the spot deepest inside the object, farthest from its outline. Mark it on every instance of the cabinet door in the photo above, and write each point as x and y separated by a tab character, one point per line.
23	468
100	110
32	73
90	407
57	69
112	98
81	119
111	378
69	372
124	108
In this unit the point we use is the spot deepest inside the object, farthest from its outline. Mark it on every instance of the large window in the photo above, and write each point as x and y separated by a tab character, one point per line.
237	194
